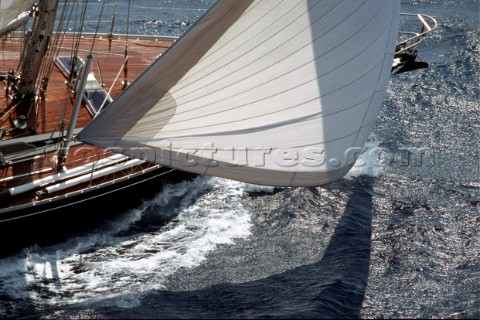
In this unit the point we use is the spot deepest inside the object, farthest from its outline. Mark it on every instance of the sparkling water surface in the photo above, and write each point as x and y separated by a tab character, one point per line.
397	238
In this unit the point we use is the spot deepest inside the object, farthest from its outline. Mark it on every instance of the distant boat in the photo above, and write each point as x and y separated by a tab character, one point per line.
281	93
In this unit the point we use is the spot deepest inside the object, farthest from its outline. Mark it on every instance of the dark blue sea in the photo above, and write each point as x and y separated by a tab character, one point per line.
397	238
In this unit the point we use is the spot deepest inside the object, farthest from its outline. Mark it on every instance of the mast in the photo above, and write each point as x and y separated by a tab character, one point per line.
36	46
63	151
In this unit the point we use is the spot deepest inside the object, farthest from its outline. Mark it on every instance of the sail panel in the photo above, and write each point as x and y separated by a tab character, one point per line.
14	14
263	91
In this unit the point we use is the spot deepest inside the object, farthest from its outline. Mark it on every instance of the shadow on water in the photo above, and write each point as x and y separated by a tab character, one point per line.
333	287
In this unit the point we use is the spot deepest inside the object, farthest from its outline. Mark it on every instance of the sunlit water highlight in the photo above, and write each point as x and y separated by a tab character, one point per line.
112	260
397	238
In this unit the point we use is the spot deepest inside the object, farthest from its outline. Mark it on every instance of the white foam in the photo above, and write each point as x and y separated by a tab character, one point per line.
372	161
257	188
119	268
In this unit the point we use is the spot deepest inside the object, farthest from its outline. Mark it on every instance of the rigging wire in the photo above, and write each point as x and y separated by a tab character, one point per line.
128	26
79	36
98	26
112	27
110	90
72	8
58	37
74	56
125	68
23	35
63	20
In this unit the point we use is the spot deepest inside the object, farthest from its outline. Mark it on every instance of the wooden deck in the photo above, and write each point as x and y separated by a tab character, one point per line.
107	65
25	159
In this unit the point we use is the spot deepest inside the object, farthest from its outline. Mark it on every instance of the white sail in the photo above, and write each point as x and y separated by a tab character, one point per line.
14	14
273	92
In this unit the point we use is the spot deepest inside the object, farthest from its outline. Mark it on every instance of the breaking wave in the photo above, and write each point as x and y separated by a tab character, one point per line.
185	222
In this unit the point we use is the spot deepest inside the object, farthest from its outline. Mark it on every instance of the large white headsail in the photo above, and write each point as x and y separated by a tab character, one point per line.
14	14
275	92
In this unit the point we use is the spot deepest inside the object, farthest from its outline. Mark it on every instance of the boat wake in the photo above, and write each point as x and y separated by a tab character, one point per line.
185	222
371	161
136	252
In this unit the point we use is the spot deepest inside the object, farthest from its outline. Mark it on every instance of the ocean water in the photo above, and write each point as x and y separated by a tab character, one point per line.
397	238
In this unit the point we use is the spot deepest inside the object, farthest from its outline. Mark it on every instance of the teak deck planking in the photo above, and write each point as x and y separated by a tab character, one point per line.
108	64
